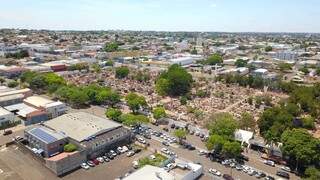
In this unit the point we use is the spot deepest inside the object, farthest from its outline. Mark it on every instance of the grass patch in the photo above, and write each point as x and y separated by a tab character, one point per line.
153	162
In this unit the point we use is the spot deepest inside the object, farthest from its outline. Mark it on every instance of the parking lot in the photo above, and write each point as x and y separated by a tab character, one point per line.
15	165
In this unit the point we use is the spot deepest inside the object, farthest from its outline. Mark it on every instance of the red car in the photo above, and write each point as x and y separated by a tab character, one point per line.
95	161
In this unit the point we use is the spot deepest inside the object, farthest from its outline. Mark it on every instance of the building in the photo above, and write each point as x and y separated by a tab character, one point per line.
11	71
44	141
7	92
28	114
6	117
182	61
285	55
11	99
185	171
53	108
92	133
260	72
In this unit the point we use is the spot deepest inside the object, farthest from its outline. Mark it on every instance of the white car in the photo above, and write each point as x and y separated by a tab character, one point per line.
152	157
135	164
130	153
125	149
85	166
285	168
100	159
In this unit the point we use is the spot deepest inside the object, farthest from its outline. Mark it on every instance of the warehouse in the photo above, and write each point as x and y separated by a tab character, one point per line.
93	133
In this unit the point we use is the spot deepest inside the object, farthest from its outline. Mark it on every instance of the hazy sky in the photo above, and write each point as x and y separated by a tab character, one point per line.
170	15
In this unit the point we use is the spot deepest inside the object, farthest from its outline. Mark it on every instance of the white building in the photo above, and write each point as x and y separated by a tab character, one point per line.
5	116
284	55
53	108
182	61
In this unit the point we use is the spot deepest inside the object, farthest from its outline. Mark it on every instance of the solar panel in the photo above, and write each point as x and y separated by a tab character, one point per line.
43	135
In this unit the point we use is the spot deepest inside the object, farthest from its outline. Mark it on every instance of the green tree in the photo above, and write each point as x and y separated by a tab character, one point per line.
312	173
299	145
232	149
223	124
69	147
113	114
241	63
109	63
135	102
122	72
2	80
111	47
13	84
180	134
177	81
308	122
268	49
159	112
215	142
132	120
247	121
214	59
284	67
304	70
38	83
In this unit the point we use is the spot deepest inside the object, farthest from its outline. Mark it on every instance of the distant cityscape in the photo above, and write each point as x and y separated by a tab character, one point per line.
159	105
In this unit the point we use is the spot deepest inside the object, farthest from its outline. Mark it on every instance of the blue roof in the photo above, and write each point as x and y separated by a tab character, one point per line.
43	135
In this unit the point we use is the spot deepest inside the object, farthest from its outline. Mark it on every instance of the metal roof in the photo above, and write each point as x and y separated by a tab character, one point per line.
46	135
81	126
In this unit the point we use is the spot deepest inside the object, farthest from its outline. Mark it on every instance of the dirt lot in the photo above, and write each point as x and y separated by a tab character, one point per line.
14	165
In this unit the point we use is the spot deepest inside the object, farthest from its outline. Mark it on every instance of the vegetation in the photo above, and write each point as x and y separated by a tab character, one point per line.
79	67
214	59
159	112
222	124
122	72
241	63
305	70
285	67
135	102
174	82
111	47
69	147
18	55
133	120
159	159
180	134
247	122
113	114
13	84
268	49
301	147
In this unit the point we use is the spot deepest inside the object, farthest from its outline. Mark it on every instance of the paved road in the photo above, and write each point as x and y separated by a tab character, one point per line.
255	161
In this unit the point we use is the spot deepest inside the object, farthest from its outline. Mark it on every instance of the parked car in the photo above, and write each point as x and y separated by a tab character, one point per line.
91	163
268	162
214	172
269	178
7	132
173	126
85	166
165	143
283	174
100	159
95	161
135	164
130	153
105	158
137	151
285	168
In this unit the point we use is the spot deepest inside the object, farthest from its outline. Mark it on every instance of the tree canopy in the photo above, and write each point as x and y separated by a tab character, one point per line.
135	102
111	47
122	72
214	59
223	124
132	119
113	114
159	112
241	63
175	81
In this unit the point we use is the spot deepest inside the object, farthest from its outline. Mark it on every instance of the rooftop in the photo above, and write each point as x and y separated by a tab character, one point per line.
45	134
4	112
37	101
81	126
150	172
